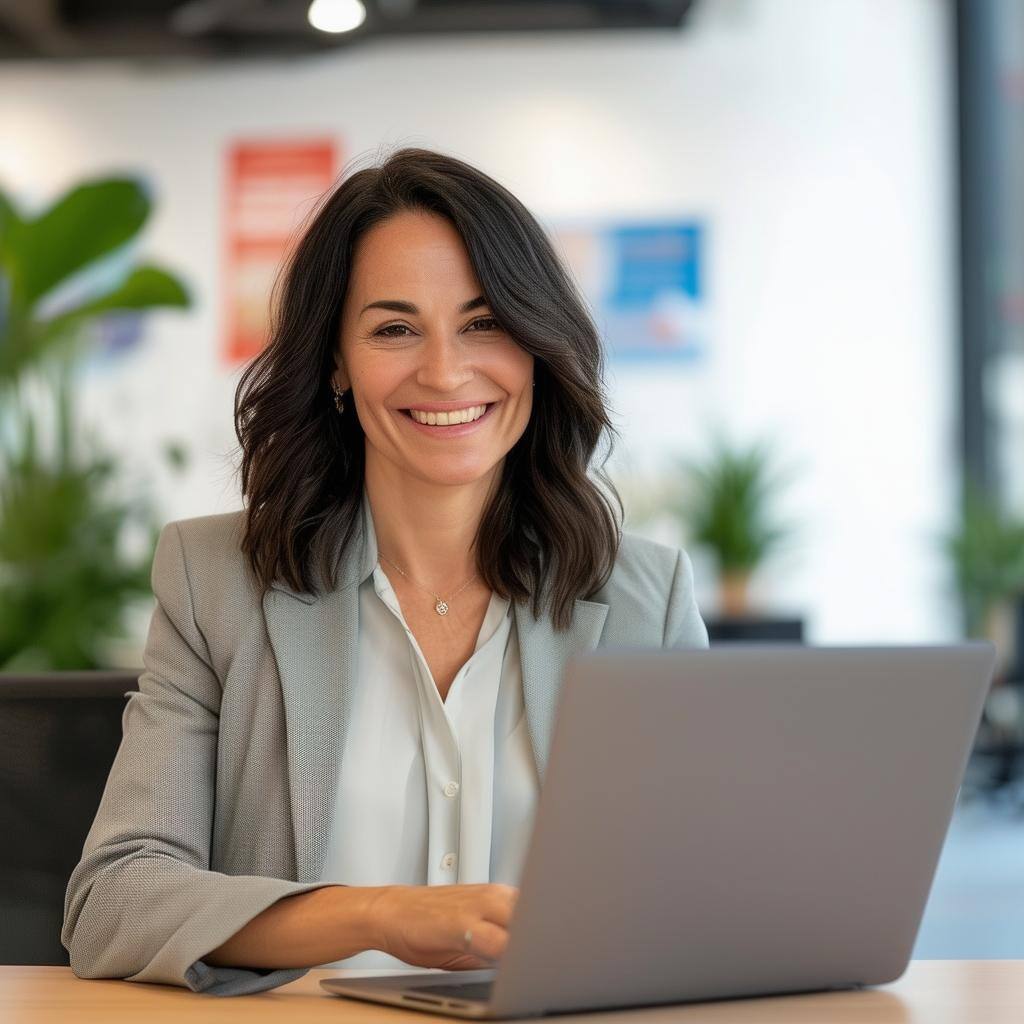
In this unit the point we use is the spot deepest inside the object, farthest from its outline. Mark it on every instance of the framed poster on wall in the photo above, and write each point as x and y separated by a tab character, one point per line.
270	189
645	281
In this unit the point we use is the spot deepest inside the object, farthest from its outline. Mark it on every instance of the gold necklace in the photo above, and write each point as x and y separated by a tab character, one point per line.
442	606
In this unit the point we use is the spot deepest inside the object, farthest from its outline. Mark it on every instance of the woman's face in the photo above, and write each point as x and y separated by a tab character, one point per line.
428	351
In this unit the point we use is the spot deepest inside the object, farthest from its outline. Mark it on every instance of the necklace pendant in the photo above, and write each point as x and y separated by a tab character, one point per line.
441	608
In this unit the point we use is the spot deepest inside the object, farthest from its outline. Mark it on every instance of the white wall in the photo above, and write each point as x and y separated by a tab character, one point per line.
815	138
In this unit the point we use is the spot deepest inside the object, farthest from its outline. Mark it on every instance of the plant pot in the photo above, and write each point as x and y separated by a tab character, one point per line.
733	593
998	627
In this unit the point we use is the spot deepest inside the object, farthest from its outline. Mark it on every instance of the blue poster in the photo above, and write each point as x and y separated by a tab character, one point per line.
645	284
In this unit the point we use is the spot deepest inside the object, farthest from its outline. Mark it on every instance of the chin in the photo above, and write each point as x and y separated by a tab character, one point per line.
455	475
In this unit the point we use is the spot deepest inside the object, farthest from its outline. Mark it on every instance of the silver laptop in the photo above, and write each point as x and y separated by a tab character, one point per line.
737	821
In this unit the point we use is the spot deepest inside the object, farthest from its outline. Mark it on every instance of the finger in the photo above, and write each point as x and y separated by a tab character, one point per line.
489	940
500	905
467	962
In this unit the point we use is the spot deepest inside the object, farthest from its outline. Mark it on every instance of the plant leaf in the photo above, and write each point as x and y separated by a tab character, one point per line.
145	288
89	221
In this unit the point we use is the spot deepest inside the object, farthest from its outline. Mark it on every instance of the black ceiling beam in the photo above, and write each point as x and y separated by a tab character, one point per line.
243	29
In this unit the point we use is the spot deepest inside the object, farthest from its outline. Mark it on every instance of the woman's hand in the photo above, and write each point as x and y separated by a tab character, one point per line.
425	925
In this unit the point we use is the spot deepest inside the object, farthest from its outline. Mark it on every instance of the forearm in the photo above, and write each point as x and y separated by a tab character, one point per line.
310	928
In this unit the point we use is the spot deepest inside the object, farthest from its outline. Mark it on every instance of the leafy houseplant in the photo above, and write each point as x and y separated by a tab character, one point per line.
987	552
65	582
725	503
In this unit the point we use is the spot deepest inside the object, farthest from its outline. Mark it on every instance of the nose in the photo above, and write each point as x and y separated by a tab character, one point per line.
444	364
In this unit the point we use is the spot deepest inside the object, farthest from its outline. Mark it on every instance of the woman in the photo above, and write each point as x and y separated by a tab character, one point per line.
341	730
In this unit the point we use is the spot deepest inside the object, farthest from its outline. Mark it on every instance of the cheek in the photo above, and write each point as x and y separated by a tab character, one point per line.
376	379
514	368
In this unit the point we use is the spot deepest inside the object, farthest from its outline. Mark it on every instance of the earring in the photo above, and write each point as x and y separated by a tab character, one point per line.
339	401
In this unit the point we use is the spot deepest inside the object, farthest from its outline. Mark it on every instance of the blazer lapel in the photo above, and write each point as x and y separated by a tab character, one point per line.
316	644
544	654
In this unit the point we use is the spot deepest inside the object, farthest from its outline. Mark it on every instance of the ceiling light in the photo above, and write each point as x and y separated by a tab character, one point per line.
336	15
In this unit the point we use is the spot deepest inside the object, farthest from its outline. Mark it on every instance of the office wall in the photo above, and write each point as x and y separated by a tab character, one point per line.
814	138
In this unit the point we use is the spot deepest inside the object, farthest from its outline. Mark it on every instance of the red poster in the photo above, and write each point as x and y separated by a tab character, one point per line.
271	189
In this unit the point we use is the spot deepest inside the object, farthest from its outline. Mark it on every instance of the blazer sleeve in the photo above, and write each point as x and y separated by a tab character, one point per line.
684	626
142	903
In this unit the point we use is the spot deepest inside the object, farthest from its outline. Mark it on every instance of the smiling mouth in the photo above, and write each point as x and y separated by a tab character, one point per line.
486	409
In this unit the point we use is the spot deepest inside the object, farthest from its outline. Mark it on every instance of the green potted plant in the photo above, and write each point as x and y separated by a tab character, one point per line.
725	502
987	553
65	578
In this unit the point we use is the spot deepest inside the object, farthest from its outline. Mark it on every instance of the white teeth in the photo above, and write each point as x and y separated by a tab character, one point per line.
448	418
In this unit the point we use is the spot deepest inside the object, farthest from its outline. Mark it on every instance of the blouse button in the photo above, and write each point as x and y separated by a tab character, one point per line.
451	789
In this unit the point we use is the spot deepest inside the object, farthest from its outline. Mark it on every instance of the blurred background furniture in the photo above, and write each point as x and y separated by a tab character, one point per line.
59	732
754	628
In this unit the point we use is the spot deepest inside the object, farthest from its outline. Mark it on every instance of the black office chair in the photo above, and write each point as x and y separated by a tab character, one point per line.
59	732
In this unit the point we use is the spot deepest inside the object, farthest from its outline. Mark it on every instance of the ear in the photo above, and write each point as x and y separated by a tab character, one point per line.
340	377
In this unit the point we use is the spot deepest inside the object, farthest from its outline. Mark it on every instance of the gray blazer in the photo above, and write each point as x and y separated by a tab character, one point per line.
217	804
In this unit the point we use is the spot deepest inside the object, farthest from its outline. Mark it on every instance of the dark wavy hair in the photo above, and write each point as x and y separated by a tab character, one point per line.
552	528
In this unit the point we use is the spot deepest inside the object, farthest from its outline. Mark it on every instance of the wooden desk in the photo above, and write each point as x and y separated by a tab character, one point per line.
931	992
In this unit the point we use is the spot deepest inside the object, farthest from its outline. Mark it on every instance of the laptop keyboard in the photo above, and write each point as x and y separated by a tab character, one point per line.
467	990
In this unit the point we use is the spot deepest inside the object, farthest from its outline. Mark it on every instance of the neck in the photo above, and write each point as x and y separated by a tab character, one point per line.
427	529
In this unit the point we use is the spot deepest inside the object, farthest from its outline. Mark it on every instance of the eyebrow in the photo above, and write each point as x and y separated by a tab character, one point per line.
398	306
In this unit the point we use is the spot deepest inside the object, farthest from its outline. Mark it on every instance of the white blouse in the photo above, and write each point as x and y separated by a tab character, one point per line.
431	792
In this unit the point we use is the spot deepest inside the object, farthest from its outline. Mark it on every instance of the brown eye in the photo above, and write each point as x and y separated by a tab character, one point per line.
487	320
388	328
